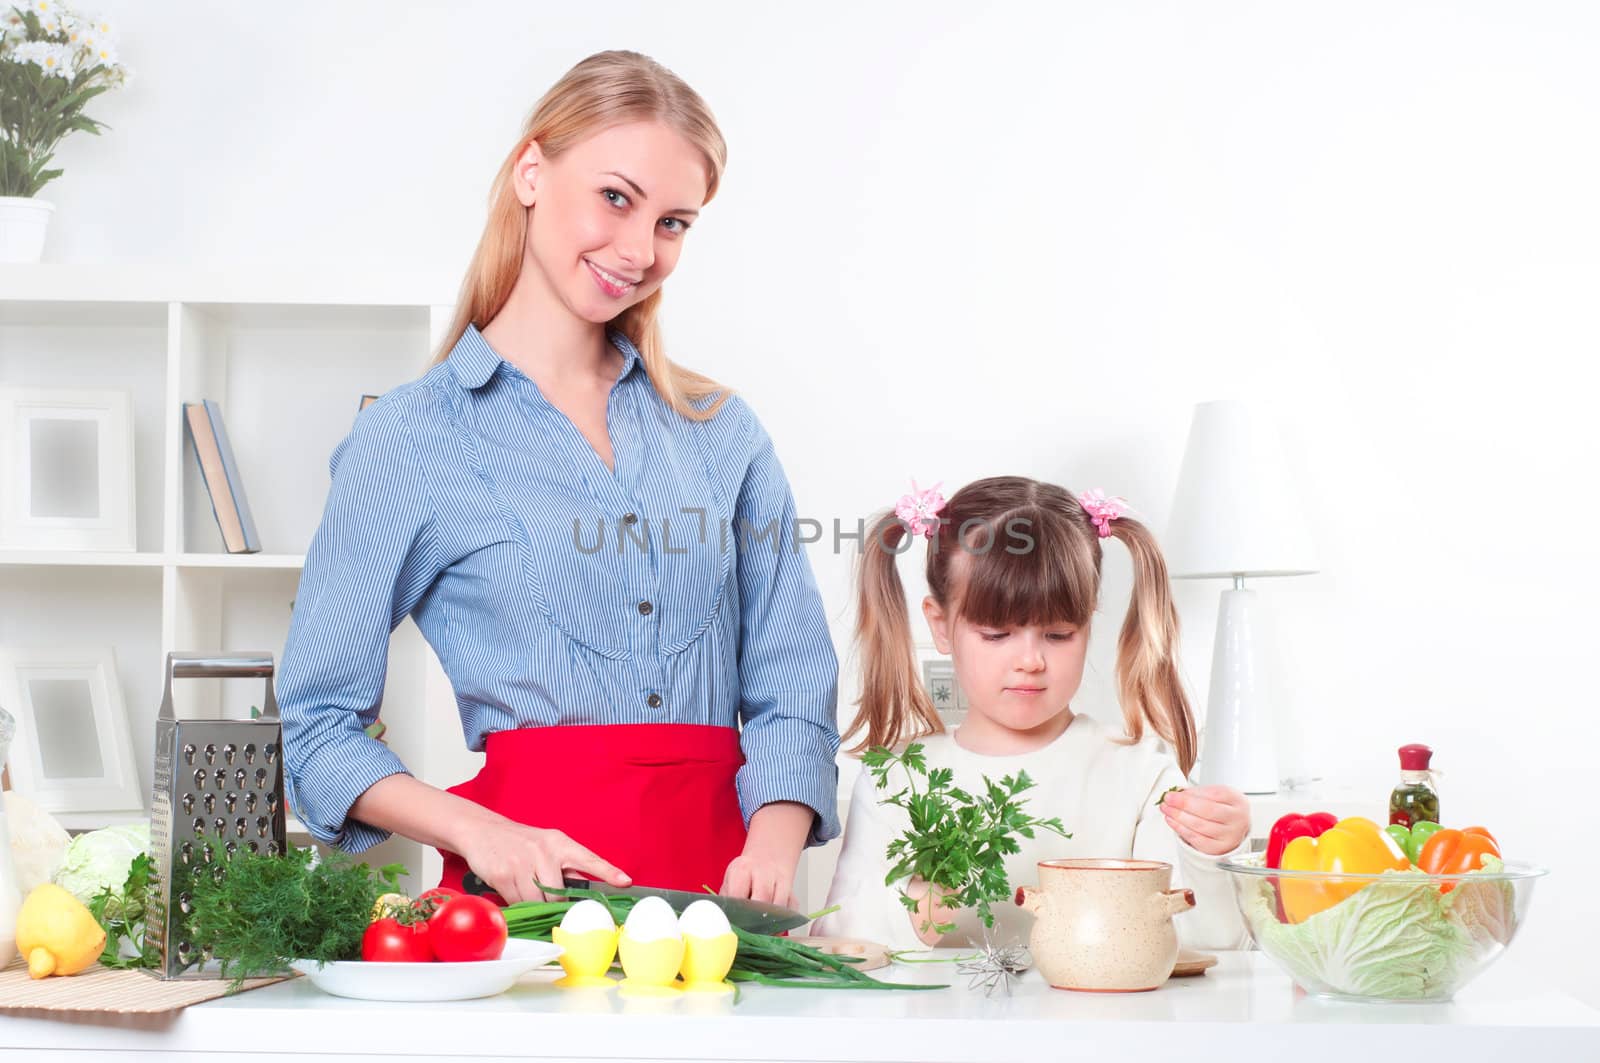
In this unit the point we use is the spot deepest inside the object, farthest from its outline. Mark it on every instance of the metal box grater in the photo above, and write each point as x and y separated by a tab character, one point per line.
218	791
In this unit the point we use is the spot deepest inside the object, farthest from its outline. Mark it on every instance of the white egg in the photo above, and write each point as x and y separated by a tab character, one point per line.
704	919
652	919
587	915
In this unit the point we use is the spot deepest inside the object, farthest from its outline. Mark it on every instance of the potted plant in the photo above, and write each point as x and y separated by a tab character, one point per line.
52	63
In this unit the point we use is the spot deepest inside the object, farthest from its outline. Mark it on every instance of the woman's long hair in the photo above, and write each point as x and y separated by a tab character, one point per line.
607	89
1030	555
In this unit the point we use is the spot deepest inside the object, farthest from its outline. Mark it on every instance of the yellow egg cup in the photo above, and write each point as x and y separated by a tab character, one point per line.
706	962
650	967
586	957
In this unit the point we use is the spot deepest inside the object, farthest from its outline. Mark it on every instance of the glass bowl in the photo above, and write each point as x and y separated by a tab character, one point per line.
1396	936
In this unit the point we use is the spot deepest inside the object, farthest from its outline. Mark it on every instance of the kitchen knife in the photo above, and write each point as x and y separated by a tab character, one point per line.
758	917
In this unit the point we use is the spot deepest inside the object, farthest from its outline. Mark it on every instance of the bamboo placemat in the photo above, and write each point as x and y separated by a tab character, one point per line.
102	989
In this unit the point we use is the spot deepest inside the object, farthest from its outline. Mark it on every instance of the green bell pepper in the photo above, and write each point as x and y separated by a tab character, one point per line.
1411	839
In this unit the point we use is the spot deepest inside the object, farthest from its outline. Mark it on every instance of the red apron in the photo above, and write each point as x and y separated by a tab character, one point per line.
655	799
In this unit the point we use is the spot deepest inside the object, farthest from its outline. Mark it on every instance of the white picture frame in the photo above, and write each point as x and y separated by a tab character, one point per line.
66	470
72	751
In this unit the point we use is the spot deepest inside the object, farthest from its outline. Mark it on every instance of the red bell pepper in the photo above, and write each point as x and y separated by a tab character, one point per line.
1292	826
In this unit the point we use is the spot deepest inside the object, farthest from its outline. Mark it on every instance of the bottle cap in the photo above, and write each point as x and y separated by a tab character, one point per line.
1415	757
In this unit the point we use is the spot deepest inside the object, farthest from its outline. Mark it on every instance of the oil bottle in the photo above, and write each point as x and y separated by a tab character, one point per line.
1414	800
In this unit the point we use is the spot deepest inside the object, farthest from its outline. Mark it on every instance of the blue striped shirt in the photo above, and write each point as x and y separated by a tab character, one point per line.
555	591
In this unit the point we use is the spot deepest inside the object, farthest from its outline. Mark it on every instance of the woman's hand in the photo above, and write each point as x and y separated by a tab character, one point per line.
765	870
511	858
931	910
760	877
1213	819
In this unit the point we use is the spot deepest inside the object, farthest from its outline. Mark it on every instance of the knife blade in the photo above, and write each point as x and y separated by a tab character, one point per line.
757	917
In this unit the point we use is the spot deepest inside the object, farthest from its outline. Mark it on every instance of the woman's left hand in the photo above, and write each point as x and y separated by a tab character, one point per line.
764	871
758	877
1213	819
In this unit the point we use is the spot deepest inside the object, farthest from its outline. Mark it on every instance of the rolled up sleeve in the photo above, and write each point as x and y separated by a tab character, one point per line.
788	670
373	557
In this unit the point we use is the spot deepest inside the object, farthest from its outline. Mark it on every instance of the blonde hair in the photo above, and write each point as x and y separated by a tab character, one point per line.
1031	556
605	90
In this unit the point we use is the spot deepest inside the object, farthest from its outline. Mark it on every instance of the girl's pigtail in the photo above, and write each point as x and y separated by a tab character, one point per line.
894	705
1147	650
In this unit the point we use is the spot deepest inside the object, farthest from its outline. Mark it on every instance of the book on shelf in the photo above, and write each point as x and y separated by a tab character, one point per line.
203	421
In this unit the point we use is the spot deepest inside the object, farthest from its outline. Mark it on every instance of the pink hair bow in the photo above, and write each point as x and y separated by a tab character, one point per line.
1102	510
920	509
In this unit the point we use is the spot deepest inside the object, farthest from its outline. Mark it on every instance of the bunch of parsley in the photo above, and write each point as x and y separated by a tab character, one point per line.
123	917
956	840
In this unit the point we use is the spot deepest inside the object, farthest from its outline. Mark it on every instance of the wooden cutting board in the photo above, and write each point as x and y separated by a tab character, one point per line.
873	955
1192	963
102	989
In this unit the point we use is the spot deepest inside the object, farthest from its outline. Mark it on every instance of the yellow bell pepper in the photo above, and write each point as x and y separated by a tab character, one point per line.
1354	846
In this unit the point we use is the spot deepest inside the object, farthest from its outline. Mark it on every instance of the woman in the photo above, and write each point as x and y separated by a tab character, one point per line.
598	544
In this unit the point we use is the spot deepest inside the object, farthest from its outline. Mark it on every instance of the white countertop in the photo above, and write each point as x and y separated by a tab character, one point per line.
1243	1008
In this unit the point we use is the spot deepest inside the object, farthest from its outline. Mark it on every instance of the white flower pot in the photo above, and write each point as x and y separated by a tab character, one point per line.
23	222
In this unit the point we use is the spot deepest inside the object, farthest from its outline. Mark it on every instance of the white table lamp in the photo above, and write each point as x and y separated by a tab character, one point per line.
1236	515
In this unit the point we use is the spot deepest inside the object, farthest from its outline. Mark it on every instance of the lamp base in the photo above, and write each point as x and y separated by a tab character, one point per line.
1239	747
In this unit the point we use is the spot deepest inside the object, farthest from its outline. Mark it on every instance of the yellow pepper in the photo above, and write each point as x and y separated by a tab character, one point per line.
1354	846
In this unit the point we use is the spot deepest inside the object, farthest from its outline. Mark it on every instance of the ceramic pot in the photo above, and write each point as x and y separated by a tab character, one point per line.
1105	925
23	222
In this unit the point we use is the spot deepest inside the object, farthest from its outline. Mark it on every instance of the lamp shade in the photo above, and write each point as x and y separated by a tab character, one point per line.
1236	512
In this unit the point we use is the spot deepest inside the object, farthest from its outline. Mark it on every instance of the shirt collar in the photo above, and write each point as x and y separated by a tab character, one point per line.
474	362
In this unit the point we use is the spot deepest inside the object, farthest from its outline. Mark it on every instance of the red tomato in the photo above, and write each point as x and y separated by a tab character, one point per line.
467	928
434	899
390	941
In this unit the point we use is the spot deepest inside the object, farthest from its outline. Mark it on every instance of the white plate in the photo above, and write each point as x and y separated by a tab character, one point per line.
428	981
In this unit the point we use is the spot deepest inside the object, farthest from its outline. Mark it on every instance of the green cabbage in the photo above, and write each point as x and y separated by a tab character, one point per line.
1397	939
101	859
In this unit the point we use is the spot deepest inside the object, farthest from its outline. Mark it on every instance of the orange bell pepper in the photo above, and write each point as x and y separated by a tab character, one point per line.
1455	852
1353	846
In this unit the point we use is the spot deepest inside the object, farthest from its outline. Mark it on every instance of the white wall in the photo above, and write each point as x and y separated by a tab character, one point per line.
1026	239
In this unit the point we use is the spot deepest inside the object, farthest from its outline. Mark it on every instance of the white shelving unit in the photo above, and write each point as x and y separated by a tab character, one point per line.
287	354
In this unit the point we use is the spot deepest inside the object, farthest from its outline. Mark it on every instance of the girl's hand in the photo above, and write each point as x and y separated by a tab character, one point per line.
931	910
511	857
1213	819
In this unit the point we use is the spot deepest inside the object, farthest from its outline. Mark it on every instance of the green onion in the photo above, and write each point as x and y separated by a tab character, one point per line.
761	958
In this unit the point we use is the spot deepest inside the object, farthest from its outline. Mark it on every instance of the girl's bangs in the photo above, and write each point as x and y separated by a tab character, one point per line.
1033	573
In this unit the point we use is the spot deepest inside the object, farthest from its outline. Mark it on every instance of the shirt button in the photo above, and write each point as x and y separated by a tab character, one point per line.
645	608
630	518
654	701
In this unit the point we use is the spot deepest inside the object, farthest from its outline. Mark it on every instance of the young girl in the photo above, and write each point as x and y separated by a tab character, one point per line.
1013	572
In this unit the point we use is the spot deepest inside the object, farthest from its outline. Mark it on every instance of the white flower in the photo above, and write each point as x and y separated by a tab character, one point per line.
50	57
99	53
60	61
13	22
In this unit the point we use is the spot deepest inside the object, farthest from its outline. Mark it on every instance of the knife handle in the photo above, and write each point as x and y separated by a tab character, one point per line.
471	883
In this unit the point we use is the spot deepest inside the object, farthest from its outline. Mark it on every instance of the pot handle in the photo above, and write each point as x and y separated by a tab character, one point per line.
1032	898
1175	902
